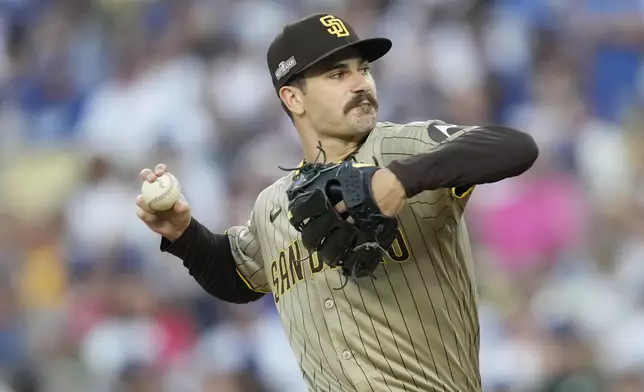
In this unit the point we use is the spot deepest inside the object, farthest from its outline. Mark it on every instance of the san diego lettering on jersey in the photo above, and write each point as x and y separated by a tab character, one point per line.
293	266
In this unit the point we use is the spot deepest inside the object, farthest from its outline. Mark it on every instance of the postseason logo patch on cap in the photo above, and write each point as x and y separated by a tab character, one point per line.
284	67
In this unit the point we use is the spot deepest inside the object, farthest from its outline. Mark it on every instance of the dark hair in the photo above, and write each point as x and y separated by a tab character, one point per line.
297	82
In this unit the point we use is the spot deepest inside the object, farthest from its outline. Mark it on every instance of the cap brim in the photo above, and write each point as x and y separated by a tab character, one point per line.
371	49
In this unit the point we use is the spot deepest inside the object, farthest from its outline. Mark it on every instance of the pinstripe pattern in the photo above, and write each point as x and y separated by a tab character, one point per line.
413	328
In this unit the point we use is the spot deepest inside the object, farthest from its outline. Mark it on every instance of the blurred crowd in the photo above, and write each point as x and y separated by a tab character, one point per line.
91	92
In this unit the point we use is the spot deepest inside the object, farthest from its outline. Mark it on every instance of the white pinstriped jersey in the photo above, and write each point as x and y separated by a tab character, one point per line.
413	328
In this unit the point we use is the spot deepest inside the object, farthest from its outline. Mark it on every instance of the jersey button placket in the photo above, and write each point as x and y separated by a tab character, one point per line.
330	307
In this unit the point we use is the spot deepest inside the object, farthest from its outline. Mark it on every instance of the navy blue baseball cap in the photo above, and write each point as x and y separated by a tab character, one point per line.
307	41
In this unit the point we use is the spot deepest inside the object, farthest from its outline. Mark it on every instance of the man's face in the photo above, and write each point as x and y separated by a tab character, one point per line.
339	97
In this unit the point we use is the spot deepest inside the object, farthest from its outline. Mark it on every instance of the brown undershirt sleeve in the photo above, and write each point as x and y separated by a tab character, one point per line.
483	155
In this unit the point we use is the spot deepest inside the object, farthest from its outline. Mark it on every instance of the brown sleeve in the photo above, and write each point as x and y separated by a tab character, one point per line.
209	260
479	155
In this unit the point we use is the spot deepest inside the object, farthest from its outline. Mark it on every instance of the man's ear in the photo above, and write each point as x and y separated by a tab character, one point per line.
292	99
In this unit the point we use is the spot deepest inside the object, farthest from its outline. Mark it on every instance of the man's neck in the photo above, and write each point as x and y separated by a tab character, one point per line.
335	149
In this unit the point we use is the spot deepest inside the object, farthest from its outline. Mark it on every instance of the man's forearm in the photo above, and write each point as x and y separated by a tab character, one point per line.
209	260
484	155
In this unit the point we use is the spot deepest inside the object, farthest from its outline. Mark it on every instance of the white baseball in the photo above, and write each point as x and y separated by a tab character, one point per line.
162	194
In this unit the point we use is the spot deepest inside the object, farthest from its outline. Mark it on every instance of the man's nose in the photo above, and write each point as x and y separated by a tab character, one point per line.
360	83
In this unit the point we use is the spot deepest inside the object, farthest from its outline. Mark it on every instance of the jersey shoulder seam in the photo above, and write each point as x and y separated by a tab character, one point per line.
385	126
277	183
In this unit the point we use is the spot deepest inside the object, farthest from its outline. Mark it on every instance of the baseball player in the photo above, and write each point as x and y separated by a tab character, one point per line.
411	323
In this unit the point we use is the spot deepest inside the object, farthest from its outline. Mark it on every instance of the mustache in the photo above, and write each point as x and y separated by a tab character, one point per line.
356	101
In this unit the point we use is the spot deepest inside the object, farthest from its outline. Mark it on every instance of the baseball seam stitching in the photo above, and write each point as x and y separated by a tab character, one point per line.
164	194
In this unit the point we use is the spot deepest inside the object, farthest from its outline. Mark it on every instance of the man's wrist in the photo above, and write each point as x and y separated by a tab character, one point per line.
176	235
171	244
398	185
406	177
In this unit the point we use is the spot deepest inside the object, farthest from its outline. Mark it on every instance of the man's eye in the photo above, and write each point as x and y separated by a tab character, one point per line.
336	75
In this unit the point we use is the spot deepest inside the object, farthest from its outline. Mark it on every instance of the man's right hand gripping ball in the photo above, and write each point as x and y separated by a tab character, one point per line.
171	223
356	235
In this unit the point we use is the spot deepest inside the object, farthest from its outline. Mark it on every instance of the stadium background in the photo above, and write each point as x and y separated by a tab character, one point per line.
92	92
